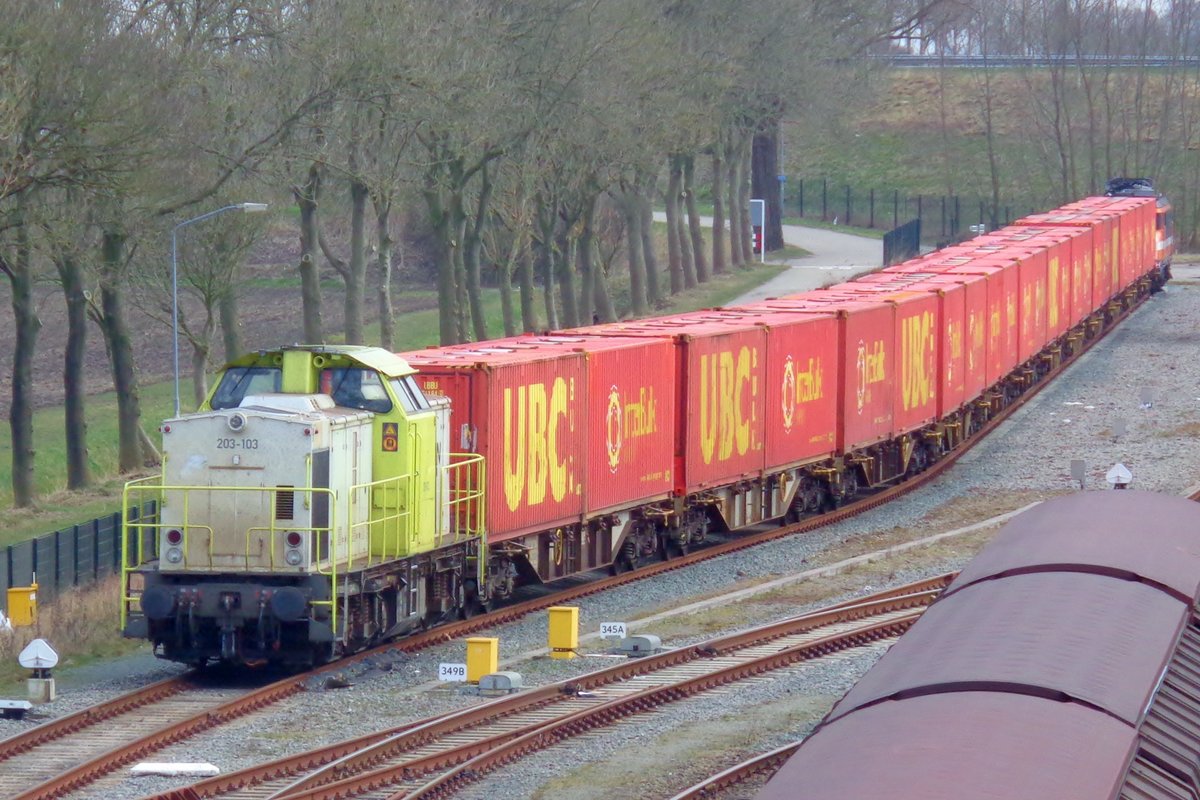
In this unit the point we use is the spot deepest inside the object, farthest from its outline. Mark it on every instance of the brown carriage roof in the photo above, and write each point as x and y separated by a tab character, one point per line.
976	745
1155	537
1093	639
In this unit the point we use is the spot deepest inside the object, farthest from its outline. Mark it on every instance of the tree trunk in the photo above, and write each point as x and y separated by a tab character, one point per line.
587	282
718	228
74	398
20	413
231	339
546	270
200	349
544	258
383	263
764	181
439	217
686	261
743	202
356	270
604	306
735	212
653	294
674	264
120	352
307	197
633	242
565	269
529	320
695	229
472	244
505	279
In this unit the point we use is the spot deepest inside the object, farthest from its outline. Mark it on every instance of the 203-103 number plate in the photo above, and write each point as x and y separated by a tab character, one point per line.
231	443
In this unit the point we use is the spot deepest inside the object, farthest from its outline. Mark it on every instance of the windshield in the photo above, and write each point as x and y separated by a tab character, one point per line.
237	382
351	387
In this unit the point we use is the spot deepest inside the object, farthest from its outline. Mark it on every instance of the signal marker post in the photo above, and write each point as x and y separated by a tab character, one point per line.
758	219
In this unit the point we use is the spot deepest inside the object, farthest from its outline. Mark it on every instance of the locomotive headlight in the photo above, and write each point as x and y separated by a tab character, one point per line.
174	555
293	558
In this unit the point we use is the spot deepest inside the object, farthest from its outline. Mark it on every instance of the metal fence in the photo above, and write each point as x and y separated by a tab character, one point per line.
902	243
944	218
76	556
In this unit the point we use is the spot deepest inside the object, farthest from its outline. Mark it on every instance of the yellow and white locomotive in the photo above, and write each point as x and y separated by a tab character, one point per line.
311	507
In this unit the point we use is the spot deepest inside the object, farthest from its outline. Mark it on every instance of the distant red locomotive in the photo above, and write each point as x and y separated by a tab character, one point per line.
612	443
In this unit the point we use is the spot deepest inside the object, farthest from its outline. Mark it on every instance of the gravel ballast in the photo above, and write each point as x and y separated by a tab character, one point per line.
1144	375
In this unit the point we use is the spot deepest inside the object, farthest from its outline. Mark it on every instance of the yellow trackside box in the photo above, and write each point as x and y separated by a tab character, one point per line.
564	631
22	606
483	657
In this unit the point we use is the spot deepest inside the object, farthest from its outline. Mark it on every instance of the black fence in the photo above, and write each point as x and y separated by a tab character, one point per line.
902	243
944	218
76	556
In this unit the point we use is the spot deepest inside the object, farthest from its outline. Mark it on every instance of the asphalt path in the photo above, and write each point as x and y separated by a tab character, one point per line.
835	257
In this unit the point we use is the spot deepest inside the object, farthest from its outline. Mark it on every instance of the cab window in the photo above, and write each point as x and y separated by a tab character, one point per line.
237	382
353	387
411	396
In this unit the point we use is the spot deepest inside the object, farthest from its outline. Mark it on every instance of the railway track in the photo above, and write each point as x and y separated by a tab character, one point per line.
444	751
761	767
81	764
65	753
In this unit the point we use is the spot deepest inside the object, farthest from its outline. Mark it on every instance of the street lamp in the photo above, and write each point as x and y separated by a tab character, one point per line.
248	208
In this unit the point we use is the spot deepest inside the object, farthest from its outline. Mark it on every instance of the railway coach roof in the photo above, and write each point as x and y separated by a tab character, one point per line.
1077	637
949	747
1143	536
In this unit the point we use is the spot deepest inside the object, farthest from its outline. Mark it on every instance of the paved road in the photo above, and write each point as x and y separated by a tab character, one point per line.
836	257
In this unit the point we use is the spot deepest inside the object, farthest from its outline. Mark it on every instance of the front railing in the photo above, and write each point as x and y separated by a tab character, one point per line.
382	515
141	539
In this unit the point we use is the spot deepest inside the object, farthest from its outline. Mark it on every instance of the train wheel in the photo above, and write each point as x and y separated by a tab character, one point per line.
470	604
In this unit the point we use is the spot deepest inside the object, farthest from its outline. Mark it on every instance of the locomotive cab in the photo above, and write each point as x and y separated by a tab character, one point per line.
305	510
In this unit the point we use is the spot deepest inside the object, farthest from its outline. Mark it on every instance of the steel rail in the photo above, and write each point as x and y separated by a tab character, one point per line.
337	761
607	713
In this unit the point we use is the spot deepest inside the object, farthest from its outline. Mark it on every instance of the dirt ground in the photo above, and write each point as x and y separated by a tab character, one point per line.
269	317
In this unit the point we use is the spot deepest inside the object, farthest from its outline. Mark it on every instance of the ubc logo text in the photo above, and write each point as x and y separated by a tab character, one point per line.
728	403
532	425
916	360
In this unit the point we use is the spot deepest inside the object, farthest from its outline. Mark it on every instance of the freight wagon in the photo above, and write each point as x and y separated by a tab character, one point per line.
325	498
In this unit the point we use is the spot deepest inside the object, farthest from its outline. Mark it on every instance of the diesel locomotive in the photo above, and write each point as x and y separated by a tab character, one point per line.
325	498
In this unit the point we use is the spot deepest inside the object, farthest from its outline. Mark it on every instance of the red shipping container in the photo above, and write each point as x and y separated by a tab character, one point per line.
801	390
1082	253
1137	234
1106	237
915	379
952	342
1058	242
721	360
1032	315
1103	279
1002	303
866	354
519	404
1018	243
630	399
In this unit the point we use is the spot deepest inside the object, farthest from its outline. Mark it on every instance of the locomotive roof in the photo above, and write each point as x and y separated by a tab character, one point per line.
376	358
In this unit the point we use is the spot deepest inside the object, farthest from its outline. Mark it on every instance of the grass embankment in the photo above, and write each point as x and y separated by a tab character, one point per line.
81	625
